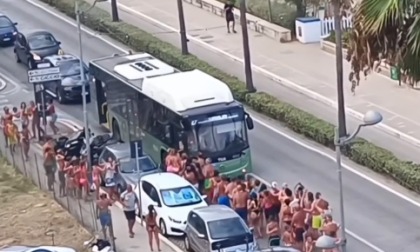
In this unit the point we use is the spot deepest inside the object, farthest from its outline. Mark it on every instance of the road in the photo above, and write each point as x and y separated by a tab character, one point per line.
373	213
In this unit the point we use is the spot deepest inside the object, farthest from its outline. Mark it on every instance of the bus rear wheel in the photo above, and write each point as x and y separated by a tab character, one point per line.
116	130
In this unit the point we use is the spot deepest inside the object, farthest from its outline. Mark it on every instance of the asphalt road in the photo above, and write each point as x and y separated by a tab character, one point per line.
372	213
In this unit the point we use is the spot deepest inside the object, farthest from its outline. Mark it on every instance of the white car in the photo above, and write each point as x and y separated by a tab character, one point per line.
172	197
36	249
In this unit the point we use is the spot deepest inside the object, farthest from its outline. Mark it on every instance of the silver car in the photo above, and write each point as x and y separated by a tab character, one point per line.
217	228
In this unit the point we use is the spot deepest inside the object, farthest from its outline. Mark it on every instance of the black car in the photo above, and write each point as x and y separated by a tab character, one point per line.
69	88
8	30
32	48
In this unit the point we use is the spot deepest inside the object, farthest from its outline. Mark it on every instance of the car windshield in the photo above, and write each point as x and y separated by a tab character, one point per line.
71	67
5	22
225	228
180	196
145	165
40	41
222	133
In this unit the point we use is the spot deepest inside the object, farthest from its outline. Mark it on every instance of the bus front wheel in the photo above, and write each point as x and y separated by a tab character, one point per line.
116	130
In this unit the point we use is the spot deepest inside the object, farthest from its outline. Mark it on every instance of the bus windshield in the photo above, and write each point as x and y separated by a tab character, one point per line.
224	133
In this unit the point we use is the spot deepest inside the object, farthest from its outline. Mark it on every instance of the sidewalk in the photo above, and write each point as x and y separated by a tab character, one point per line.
305	65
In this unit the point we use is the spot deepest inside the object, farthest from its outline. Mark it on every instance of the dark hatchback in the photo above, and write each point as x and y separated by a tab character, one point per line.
30	49
8	30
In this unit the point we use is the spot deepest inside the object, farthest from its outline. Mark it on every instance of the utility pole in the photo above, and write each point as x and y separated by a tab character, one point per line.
342	130
247	54
84	83
182	29
114	11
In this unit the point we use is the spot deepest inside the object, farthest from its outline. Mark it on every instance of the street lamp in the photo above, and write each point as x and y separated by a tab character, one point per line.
370	118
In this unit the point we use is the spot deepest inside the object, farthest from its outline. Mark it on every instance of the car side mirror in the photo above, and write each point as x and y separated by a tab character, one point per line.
249	122
251	230
15	23
201	236
58	42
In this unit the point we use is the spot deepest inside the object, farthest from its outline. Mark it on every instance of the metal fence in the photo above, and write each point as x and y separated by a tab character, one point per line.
84	211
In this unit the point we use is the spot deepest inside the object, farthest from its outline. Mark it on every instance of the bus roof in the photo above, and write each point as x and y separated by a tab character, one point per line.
178	91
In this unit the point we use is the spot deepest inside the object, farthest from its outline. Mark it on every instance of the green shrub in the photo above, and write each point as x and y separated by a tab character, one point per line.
345	37
360	151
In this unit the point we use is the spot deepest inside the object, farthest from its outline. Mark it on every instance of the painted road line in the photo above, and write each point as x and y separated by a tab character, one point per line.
76	127
282	81
295	140
3	84
8	80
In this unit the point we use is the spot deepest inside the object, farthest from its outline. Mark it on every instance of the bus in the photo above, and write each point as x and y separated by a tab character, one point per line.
141	98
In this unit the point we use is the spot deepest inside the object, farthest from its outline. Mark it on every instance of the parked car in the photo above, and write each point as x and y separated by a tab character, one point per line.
217	228
32	48
8	30
36	249
172	197
127	172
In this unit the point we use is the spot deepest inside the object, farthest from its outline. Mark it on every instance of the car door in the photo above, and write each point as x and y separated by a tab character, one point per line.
145	199
201	229
196	227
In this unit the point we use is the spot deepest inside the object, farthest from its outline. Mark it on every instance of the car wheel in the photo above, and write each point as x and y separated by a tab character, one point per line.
17	57
187	244
162	227
60	97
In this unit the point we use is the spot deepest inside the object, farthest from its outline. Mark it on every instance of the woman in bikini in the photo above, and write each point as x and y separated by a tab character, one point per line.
51	112
254	210
83	180
152	228
70	175
96	177
24	114
286	214
12	134
61	172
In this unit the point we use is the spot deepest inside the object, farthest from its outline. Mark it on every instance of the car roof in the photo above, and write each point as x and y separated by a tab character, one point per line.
215	212
120	150
37	32
165	180
55	59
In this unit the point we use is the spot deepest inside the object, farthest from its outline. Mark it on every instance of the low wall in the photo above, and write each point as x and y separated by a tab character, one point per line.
259	25
329	47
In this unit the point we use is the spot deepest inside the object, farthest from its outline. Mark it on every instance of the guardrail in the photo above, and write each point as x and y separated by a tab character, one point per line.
254	23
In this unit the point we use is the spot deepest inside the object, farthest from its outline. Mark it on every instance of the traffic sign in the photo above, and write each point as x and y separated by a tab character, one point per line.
44	78
44	71
44	74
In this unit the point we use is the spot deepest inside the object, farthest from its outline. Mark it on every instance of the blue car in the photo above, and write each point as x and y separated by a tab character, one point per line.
8	30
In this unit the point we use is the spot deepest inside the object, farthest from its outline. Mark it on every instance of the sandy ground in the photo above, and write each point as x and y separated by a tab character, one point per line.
29	216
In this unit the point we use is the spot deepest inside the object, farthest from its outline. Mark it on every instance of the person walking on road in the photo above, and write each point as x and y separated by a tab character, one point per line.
35	117
103	213
24	114
240	202
25	141
230	18
12	135
4	119
49	166
51	113
152	228
130	203
61	172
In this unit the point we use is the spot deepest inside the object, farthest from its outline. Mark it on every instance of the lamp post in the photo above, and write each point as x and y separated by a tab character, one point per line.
84	93
370	118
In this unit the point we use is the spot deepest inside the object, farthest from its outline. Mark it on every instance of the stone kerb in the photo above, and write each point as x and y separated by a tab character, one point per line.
259	25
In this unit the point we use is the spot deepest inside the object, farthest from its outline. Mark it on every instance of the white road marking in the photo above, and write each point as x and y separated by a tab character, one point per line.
3	84
289	137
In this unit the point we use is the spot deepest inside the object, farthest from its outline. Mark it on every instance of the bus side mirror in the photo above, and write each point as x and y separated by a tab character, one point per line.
249	122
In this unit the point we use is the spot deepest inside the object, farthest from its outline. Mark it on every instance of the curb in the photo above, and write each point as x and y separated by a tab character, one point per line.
77	127
282	81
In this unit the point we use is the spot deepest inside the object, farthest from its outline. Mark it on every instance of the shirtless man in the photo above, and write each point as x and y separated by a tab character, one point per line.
298	225
240	202
330	228
220	192
318	207
103	213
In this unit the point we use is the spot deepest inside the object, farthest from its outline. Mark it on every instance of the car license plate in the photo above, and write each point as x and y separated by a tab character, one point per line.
6	39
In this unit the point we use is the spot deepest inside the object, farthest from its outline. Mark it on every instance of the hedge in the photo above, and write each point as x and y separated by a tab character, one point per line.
360	151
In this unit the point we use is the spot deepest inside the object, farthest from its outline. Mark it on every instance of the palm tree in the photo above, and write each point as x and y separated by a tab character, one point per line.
385	31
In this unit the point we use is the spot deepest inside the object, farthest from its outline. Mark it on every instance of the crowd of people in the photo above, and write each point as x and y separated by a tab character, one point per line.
295	216
17	122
